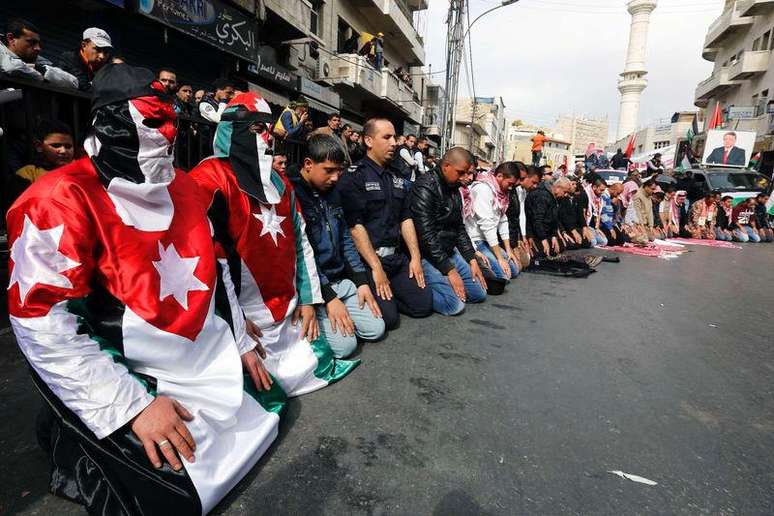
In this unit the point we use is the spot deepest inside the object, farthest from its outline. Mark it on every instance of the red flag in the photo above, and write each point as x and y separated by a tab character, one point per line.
630	145
717	117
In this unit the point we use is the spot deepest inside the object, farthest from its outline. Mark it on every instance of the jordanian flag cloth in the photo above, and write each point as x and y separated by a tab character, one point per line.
115	300
269	253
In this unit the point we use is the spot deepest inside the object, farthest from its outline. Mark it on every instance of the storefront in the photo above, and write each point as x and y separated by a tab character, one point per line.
212	21
323	101
275	83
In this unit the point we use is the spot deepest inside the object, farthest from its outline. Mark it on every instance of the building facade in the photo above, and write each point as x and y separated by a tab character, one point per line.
581	131
480	127
342	26
660	134
556	151
740	43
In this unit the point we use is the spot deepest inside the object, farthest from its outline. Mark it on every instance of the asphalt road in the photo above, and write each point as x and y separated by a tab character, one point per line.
663	369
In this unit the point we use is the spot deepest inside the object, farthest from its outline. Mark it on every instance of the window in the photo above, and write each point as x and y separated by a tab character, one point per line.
756	44
347	38
771	44
316	18
765	40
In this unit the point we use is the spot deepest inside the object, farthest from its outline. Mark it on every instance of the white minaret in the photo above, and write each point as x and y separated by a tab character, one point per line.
632	81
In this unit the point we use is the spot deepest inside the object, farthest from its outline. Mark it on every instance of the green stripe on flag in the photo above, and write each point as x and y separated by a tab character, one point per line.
221	147
80	309
276	180
274	400
303	282
328	367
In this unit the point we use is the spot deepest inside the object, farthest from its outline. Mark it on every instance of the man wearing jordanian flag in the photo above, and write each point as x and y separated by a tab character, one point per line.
130	322
255	209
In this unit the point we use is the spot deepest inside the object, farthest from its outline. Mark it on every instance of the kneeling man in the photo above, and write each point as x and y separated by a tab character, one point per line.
129	322
256	211
448	256
350	308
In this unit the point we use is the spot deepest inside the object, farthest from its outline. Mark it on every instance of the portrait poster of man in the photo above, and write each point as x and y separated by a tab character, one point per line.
728	148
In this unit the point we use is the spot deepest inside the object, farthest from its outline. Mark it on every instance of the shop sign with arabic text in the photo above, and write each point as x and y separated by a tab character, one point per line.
211	21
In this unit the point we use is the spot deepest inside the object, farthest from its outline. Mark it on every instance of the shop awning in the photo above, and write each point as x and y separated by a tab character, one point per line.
270	96
354	125
321	106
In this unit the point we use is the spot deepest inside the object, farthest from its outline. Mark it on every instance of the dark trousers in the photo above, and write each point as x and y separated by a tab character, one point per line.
536	157
407	297
537	247
619	237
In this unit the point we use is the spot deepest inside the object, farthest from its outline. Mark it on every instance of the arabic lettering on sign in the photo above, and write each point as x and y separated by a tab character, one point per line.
230	33
209	20
278	75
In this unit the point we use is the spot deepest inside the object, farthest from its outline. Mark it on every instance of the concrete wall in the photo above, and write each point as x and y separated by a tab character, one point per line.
581	131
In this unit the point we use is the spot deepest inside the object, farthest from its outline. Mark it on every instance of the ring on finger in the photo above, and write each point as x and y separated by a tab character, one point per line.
165	442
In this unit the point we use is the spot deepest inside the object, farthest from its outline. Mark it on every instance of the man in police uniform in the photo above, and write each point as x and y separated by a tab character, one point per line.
375	200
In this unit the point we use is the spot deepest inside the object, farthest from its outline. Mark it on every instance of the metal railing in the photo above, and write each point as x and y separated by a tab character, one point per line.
41	100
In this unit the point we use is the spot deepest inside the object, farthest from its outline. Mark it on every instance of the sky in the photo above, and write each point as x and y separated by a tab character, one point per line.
553	57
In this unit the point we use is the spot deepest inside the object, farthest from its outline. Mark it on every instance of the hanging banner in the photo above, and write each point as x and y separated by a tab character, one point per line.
211	21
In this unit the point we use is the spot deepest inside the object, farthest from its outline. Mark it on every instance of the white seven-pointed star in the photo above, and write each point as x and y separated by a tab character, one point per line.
271	222
36	259
177	275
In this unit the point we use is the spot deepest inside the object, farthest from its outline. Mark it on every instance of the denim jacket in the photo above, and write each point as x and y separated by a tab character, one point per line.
328	233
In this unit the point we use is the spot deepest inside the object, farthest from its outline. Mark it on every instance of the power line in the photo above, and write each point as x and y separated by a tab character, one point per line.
470	51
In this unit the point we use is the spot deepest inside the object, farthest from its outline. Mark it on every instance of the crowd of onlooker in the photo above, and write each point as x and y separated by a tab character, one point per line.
557	210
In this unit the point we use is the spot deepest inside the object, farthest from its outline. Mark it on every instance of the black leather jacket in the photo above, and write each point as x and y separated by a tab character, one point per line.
542	213
436	208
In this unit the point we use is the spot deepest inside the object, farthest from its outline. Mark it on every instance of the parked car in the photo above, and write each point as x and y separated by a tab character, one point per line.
612	176
738	183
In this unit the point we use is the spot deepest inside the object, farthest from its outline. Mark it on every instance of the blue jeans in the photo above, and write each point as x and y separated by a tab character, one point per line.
599	238
746	234
367	325
493	263
445	301
719	235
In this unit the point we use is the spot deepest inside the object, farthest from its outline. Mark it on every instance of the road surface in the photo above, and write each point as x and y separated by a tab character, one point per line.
663	369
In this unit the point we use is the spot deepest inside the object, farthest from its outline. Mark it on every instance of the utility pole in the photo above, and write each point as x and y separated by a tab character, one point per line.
454	48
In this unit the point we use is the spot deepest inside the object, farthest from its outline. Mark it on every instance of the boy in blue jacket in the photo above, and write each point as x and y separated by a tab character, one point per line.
350	310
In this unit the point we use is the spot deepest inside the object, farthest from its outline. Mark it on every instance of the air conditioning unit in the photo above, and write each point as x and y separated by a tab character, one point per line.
322	69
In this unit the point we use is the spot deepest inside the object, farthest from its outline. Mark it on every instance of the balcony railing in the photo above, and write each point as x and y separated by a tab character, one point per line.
756	7
354	70
726	23
414	110
749	64
711	87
